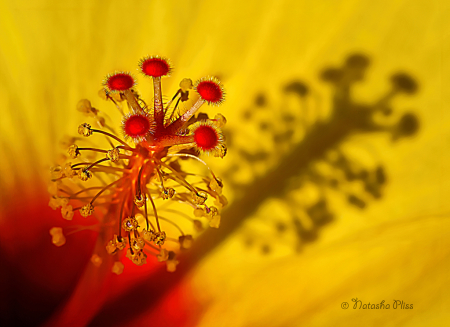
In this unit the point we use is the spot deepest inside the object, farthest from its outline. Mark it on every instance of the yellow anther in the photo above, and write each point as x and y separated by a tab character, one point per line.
167	193
57	236
138	257
221	201
73	151
68	171
163	255
215	221
186	84
222	151
139	200
130	224
117	268
67	212
105	95
111	247
113	155
148	235
186	241
212	211
172	262
87	210
84	174
160	238
85	130
198	226
56	202
96	260
216	185
220	120
85	107
115	245
55	172
138	243
199	198
199	212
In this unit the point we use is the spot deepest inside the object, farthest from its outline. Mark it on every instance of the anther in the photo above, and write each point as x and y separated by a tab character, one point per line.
172	262
148	235
67	212
130	224
138	243
117	268
160	238
87	210
73	151
85	130
113	155
57	236
199	198
84	174
163	255
139	200
185	241
138	257
167	193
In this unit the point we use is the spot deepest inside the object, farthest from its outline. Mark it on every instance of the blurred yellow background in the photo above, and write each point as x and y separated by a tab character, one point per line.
339	226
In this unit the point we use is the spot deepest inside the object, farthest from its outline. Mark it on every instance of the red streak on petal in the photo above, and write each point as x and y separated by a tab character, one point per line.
36	275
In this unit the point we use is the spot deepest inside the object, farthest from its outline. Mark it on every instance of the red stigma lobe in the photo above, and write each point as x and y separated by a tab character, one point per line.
137	126
155	67
210	91
120	82
205	137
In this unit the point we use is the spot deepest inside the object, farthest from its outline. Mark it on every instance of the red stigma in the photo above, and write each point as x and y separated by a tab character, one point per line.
155	67
210	91
206	137
136	126
120	82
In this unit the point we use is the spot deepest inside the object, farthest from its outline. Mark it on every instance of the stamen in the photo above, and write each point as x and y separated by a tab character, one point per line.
172	223
187	185
170	102
97	162
121	213
154	211
137	165
110	135
105	188
185	86
92	149
187	155
115	103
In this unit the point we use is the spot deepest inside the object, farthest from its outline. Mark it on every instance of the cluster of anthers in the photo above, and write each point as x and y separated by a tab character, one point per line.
146	167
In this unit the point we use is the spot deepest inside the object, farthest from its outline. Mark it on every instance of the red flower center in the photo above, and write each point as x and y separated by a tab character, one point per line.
120	82
155	67
206	137
136	126
210	91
